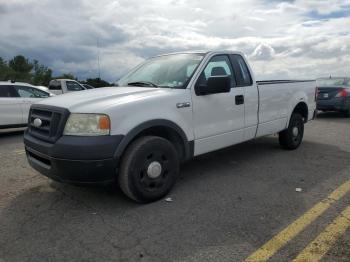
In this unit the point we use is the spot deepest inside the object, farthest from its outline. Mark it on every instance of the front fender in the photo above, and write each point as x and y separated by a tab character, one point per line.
146	125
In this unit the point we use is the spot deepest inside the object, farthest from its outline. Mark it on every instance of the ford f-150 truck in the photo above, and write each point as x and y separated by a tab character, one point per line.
165	111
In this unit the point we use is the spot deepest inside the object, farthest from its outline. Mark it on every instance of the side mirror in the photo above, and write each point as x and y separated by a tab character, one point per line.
215	84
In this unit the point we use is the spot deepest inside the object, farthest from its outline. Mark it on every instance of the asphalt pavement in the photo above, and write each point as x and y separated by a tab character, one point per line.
226	206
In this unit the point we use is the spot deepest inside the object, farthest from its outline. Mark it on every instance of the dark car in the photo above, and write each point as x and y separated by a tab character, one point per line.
334	95
88	86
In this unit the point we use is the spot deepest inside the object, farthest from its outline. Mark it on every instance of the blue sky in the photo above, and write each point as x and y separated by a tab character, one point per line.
345	12
282	39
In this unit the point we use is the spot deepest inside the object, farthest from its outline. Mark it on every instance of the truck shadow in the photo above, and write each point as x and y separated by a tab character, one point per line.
236	197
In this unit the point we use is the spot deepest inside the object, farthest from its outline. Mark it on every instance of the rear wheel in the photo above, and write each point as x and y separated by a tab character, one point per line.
292	137
148	169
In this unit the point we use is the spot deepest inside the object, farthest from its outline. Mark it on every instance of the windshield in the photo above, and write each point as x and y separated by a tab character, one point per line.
335	82
172	71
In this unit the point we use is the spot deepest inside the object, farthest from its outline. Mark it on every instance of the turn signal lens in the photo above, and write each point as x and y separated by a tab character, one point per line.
104	123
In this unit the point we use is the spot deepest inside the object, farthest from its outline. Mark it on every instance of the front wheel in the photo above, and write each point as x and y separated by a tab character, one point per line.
292	137
148	169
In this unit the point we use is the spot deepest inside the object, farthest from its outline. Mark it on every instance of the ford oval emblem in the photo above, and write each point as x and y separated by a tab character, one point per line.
37	122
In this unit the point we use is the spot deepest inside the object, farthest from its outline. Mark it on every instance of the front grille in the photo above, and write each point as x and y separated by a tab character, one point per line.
52	121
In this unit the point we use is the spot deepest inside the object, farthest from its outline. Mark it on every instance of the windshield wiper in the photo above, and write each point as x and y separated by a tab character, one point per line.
142	83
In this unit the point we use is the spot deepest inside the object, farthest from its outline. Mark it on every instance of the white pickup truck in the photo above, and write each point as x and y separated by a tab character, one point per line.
63	86
167	110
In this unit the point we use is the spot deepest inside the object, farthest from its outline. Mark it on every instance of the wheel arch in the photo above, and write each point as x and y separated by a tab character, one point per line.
162	128
301	108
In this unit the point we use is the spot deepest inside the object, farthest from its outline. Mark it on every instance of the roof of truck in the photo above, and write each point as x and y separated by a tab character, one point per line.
202	52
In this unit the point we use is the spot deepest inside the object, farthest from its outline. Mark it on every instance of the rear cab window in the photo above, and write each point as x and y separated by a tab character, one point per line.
55	85
241	70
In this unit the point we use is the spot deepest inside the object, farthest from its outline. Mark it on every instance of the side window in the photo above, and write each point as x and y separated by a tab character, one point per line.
40	94
74	86
217	66
242	73
4	91
26	91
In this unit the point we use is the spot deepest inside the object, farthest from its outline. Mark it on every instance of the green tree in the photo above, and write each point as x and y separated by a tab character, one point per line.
21	68
66	76
41	74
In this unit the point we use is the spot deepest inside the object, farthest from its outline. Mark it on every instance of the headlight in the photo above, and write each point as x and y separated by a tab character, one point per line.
87	125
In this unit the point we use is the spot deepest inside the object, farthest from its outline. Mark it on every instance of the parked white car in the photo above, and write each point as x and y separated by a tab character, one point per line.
166	111
15	101
63	86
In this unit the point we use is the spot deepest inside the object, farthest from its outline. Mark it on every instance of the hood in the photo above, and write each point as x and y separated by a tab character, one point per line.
95	100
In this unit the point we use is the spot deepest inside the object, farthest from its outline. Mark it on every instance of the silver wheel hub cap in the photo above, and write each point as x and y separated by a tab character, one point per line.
295	131
154	169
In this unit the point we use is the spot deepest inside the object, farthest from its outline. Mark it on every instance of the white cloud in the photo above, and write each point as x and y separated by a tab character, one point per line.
294	39
263	52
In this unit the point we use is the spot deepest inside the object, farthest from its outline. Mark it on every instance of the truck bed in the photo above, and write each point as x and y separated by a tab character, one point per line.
276	99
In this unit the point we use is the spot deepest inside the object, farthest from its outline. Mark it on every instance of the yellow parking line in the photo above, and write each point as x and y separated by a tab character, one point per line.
21	152
324	241
281	239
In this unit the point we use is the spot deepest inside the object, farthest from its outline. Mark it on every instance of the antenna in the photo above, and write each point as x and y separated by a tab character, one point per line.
98	58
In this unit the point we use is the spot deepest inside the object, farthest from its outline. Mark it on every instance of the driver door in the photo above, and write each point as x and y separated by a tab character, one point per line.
218	118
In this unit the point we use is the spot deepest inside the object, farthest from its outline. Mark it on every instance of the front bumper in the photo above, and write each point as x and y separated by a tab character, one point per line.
75	160
334	104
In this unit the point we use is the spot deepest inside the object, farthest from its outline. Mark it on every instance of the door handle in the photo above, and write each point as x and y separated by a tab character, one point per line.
239	99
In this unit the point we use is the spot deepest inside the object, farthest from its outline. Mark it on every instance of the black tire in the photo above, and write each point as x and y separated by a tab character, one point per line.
138	180
290	138
347	113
